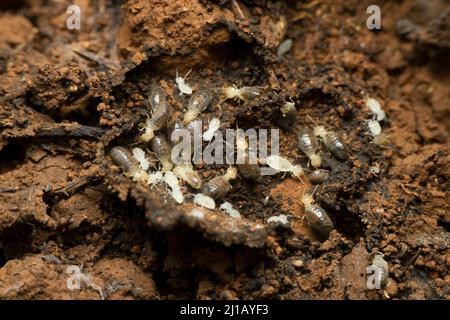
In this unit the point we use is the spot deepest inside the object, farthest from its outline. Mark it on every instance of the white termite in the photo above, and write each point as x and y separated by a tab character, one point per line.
182	84
281	164
154	178
284	47
186	172
204	201
374	127
124	159
280	219
228	208
244	93
172	181
375	108
139	155
213	126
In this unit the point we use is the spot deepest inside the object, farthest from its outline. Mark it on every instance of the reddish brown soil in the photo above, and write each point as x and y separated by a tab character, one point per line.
68	96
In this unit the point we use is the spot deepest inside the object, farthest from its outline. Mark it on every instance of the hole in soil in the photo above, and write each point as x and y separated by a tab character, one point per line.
16	242
86	114
444	224
12	156
11	5
348	224
2	258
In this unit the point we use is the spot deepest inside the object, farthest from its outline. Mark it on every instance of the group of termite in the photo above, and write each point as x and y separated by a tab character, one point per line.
160	125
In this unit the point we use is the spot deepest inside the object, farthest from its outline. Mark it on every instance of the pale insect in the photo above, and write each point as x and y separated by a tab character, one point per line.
157	96
161	111
308	144
182	85
139	155
281	164
213	126
154	178
375	131
288	117
376	109
124	159
374	127
171	179
186	172
280	219
204	201
162	149
318	176
284	47
196	105
382	268
316	217
244	93
331	140
228	208
219	187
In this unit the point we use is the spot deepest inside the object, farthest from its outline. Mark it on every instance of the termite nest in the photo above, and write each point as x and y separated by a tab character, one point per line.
161	131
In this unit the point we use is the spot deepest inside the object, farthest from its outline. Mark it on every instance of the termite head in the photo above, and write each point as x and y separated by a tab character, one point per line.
320	131
381	139
316	160
147	135
307	199
297	171
374	127
231	173
194	179
231	92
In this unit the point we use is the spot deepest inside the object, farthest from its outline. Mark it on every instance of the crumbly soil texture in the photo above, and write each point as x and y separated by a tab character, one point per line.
68	213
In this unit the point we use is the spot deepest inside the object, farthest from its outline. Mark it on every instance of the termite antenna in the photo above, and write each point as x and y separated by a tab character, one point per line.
312	120
314	190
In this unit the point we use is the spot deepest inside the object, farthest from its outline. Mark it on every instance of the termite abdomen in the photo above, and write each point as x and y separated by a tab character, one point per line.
319	220
318	176
216	188
335	145
157	96
124	159
161	115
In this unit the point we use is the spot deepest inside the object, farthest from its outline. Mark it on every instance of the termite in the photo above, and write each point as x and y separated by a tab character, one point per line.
307	142
213	126
376	109
157	96
316	216
244	93
196	104
186	172
218	187
172	181
160	115
318	176
124	159
381	269
281	164
288	115
162	149
331	140
204	201
143	160
247	170
375	131
228	208
182	85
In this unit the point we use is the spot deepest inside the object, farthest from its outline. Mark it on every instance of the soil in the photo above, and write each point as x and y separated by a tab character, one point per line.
68	96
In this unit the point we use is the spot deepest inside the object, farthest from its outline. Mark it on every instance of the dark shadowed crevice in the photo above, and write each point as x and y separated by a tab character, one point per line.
13	155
